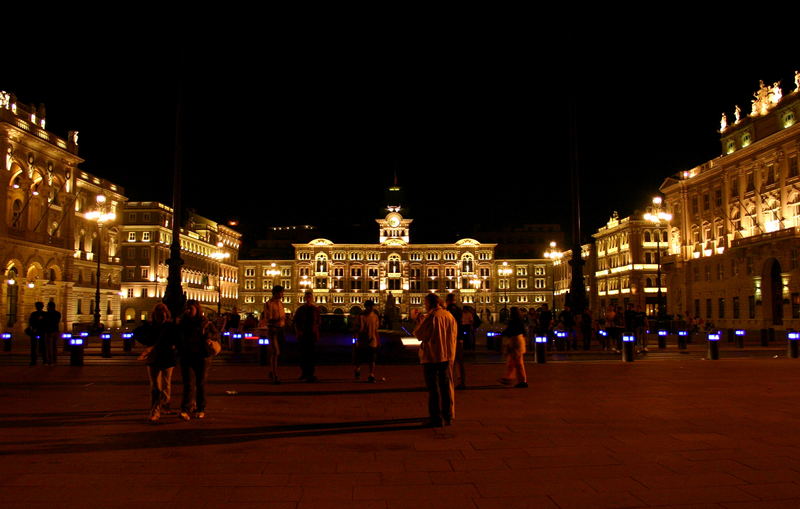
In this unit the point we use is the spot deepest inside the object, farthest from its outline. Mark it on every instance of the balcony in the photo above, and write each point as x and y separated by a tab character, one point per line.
37	238
765	238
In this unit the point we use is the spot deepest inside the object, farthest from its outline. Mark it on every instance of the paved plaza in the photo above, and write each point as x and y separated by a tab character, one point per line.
677	432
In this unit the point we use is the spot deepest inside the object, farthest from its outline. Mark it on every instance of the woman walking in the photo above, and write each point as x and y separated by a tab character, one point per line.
158	336
514	336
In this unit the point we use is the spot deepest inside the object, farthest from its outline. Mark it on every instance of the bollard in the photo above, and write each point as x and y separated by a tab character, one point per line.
6	341
236	342
628	341
740	334
713	346
105	345
541	349
662	339
561	341
793	339
76	351
127	341
66	337
682	335
263	350
764	338
771	334
491	342
731	335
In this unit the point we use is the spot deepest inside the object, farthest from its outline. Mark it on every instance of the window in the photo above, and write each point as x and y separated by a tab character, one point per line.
697	308
706	202
450	272
721	308
338	255
695	208
751	182
355	285
415	257
338	272
338	284
355	272
130	252
432	284
131	236
484	272
145	236
539	283
394	284
484	255
321	266
250	272
449	256
322	283
146	217
131	217
286	272
751	306
735	187
415	273
720	272
708	309
707	272
414	285
793	172
130	293
249	284
286	284
305	271
522	298
433	257
250	299
145	293
145	272
356	256
266	284
373	257
718	197
539	270
433	272
736	307
796	305
304	256
522	284
522	270
502	284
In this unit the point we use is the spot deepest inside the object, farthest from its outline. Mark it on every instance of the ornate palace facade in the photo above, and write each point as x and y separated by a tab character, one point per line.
734	246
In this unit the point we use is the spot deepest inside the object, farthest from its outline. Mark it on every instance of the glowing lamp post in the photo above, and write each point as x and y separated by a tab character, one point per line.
505	271
100	215
219	256
657	216
555	256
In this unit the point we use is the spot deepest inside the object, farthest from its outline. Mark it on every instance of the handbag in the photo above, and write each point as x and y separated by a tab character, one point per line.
213	347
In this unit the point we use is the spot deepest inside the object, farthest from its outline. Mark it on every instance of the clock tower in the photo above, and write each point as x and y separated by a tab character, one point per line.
394	229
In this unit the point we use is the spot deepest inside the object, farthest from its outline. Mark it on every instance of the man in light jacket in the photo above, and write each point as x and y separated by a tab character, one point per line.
438	332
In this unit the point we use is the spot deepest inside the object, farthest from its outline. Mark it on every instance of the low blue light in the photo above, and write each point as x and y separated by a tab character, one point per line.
663	333
237	336
226	333
355	340
105	335
603	333
628	338
492	334
740	332
713	337
794	336
84	334
6	335
127	335
76	341
66	335
683	333
263	341
541	339
561	334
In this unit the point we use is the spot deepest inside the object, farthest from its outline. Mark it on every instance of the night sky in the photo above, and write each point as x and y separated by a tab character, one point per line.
307	127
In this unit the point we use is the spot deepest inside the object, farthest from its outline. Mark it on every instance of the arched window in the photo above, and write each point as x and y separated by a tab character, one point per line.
467	264
394	264
647	236
322	263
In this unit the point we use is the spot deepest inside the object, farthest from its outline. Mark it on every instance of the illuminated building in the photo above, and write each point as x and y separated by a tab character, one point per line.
735	235
344	276
626	264
205	275
49	248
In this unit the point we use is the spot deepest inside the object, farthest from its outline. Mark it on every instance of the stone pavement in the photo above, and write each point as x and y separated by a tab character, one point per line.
672	433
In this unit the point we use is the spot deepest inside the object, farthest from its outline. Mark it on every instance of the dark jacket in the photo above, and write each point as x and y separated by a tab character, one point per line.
162	337
193	337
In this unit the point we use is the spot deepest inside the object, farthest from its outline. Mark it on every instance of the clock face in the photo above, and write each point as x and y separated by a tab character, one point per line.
394	219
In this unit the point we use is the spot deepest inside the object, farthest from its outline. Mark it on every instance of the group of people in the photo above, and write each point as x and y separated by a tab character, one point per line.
43	327
189	341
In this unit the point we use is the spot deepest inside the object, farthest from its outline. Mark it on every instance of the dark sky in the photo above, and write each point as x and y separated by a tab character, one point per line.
300	125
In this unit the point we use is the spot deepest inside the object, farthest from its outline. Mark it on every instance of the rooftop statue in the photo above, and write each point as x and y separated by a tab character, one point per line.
775	93
738	114
797	81
723	123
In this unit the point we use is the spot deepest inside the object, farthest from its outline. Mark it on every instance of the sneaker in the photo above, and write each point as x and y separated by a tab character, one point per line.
185	416
199	415
521	385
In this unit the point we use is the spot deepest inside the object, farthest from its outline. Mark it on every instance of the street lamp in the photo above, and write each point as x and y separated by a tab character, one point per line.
505	271
100	215
657	215
219	256
555	255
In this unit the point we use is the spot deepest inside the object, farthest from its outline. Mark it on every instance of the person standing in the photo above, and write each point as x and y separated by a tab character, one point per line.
515	351
275	316
37	325
458	314
159	336
367	342
52	322
196	331
437	333
543	324
306	325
